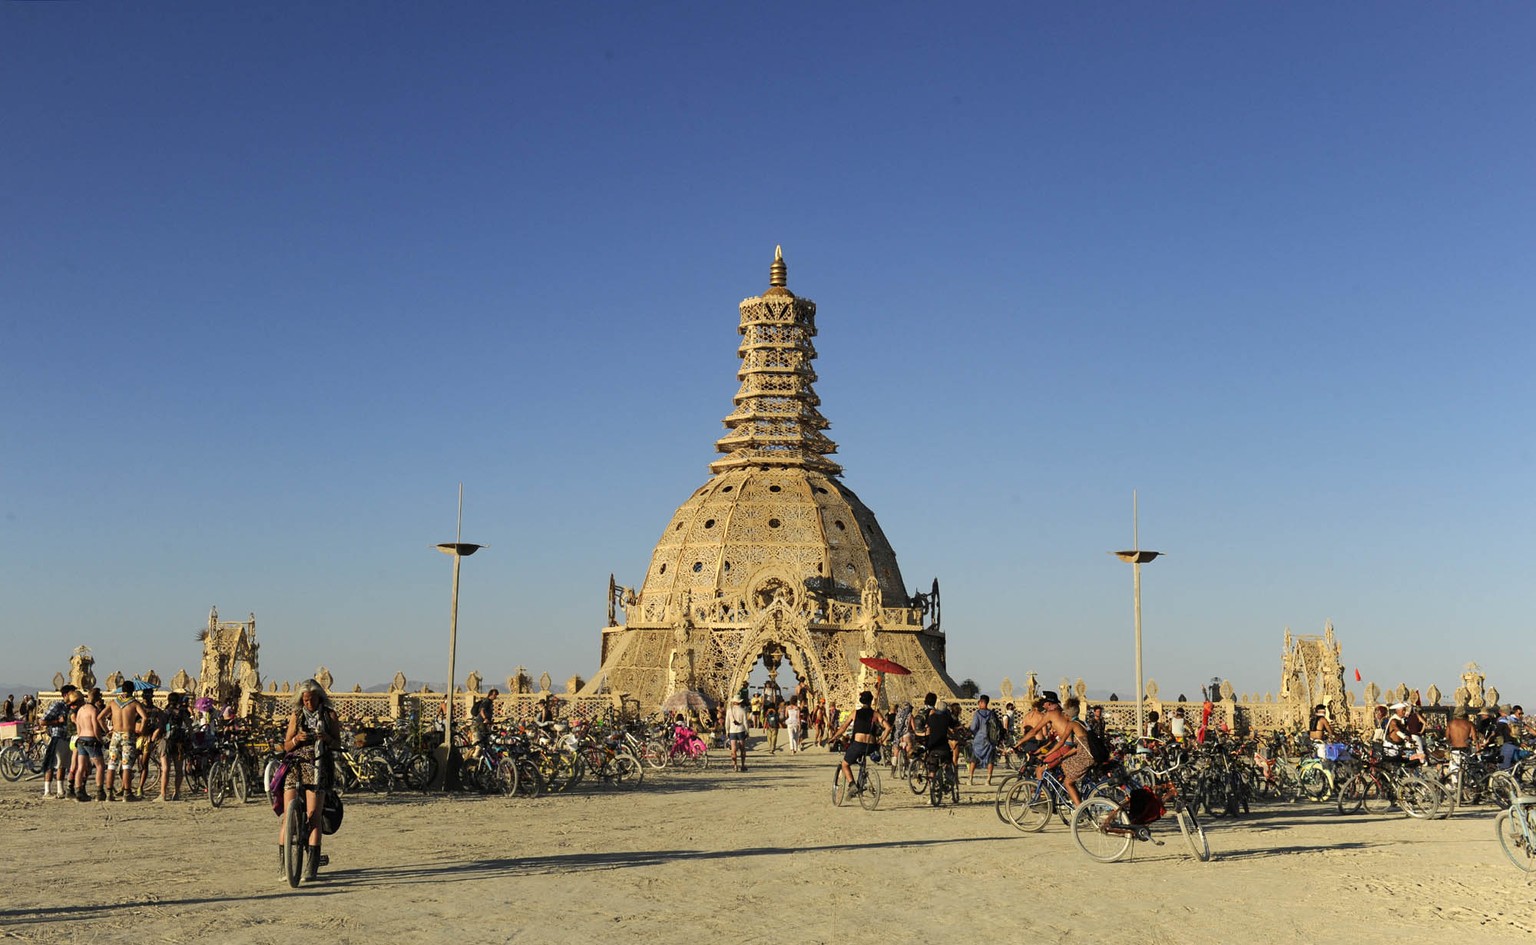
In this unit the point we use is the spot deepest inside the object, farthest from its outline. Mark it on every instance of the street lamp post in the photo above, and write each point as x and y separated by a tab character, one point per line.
460	550
1136	557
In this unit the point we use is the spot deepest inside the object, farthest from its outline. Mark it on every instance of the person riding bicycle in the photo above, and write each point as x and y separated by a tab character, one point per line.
481	715
1069	745
932	732
314	732
863	722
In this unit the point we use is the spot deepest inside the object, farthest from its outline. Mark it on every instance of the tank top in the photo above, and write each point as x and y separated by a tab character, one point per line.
864	721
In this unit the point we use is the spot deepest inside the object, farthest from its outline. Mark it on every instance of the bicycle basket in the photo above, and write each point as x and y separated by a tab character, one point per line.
1143	806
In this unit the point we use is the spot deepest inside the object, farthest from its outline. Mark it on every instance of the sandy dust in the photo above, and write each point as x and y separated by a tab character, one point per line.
759	856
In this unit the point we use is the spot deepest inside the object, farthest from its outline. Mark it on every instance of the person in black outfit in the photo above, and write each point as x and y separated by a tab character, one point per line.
864	721
935	736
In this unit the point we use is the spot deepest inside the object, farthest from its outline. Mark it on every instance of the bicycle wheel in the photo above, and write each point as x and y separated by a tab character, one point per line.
655	752
419	771
1513	840
1418	798
298	834
239	784
530	781
1194	834
869	788
1030	805
218	783
1352	795
626	771
917	779
377	776
1374	795
1000	799
937	789
701	760
269	771
1101	830
1450	795
1314	782
1287	786
506	777
1503	788
10	763
839	787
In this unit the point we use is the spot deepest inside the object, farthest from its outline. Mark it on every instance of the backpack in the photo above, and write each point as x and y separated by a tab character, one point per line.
994	728
1096	745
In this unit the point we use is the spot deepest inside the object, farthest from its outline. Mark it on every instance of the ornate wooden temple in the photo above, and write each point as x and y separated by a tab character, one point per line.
773	559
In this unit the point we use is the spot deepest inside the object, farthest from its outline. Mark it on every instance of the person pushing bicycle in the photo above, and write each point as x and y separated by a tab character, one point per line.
314	731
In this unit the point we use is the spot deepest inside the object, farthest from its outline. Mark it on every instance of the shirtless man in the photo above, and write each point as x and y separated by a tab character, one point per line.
88	725
127	723
1031	732
1067	735
1460	738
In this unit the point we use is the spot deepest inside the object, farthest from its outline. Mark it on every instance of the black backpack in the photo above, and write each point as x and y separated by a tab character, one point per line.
1097	747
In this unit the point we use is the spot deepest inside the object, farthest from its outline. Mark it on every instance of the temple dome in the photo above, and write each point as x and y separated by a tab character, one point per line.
750	522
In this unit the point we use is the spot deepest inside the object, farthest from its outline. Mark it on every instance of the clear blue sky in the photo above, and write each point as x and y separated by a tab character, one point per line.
274	279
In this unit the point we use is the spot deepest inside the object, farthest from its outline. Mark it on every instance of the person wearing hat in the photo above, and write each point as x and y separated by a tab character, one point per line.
1068	744
1395	738
736	733
56	757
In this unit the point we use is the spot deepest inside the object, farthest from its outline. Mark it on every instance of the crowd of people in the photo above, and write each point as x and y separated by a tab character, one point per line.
99	749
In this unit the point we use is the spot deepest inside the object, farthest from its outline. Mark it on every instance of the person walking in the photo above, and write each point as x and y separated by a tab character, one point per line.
986	732
771	725
736	733
792	722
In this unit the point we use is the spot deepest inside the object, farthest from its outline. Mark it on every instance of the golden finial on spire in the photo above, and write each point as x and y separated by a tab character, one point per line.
778	273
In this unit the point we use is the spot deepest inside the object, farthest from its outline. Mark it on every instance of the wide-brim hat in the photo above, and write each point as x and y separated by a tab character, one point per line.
1397	705
1050	696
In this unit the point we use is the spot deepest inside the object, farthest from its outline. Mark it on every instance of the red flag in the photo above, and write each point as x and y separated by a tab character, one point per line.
1357	675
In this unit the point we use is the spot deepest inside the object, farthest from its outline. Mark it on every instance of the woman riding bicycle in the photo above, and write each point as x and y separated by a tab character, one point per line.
864	721
314	732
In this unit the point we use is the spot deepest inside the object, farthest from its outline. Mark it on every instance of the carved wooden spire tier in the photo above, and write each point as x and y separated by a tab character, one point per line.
776	422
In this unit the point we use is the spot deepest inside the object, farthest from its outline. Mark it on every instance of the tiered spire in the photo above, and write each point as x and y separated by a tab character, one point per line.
776	422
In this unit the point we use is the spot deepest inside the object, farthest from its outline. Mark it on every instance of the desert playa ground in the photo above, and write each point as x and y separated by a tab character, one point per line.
759	856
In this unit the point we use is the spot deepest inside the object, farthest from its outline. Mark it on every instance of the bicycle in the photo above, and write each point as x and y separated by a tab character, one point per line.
227	776
296	824
939	776
1032	801
22	755
1105	829
1381	785
1517	834
688	748
865	785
